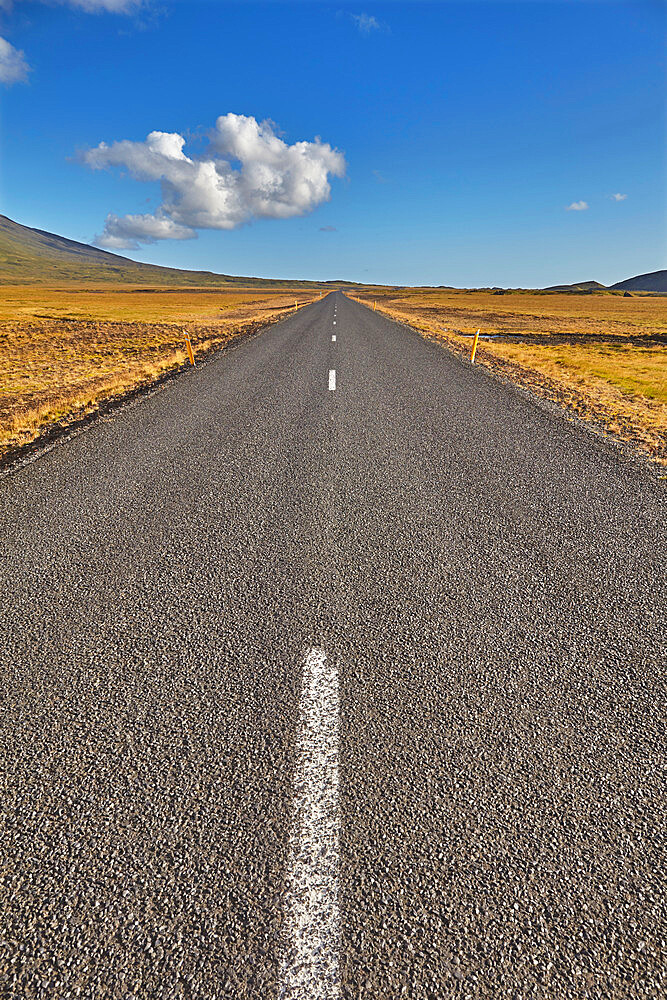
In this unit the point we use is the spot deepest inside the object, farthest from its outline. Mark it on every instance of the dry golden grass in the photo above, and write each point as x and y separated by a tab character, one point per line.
67	350
136	304
602	355
528	312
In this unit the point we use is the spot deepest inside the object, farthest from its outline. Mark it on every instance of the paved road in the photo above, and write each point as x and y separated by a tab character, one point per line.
324	693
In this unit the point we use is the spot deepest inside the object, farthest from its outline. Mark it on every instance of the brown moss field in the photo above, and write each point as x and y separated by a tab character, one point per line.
602	356
67	350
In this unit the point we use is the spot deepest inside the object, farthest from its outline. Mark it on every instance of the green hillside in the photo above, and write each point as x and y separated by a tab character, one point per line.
31	256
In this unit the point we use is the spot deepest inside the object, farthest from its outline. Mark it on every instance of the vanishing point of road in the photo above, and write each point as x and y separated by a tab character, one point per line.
333	669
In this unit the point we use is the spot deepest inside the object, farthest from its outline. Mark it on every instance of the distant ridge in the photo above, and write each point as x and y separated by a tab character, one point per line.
33	256
580	286
654	281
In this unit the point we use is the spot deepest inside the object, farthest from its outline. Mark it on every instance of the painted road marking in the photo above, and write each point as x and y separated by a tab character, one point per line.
333	338
310	964
334	322
332	378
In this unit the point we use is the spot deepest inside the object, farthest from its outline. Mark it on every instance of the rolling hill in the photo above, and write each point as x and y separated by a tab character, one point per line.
654	281
580	286
32	256
35	257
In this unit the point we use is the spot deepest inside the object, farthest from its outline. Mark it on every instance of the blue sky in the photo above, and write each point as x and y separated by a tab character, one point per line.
466	132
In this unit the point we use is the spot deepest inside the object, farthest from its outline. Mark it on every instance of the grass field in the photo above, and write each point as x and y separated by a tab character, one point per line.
603	356
67	350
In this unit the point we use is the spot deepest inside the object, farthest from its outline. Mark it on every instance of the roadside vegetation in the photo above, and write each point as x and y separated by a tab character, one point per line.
602	355
67	350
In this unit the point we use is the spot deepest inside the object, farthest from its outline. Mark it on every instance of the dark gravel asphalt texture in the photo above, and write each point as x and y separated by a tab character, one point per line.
487	577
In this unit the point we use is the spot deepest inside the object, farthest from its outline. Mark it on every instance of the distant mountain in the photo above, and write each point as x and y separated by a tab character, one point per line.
654	281
580	286
32	256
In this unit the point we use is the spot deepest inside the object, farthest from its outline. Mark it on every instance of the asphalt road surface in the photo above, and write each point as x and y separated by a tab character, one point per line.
334	669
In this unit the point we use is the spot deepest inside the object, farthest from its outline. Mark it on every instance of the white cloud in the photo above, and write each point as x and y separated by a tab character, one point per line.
128	232
619	197
245	172
366	23
100	6
13	67
91	6
577	206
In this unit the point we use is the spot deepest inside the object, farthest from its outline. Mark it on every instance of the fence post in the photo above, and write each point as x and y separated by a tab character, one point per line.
474	348
188	347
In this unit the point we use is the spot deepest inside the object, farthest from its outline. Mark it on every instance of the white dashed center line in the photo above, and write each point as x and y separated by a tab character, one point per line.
333	338
332	378
310	965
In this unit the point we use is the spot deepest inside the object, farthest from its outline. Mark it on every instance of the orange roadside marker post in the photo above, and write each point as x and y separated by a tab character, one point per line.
474	348
188	347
